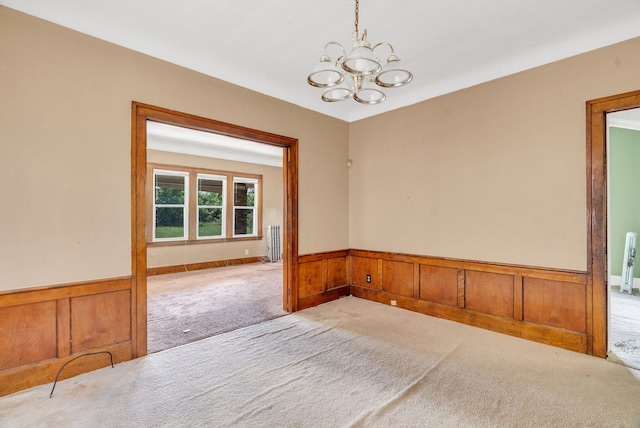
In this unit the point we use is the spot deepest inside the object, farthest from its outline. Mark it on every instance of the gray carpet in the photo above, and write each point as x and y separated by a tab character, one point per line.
350	362
625	328
188	306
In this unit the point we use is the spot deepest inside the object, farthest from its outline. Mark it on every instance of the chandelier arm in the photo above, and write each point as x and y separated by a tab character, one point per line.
377	45
344	53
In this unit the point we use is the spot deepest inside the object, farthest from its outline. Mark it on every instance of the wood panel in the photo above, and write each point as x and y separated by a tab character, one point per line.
528	271
28	334
489	293
397	278
63	308
100	320
439	284
363	266
322	277
310	281
44	327
336	272
28	376
556	304
545	305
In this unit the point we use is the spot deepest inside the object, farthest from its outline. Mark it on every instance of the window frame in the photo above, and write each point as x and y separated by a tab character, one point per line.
224	179
193	207
185	205
254	226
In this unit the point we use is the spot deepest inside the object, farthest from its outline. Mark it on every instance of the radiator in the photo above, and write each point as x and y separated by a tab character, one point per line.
628	261
274	251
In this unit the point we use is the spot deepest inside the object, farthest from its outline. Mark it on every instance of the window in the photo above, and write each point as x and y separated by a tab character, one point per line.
196	204
211	202
244	206
170	205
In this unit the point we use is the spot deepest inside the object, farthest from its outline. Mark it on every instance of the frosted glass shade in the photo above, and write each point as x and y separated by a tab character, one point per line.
369	94
337	93
325	74
362	61
392	75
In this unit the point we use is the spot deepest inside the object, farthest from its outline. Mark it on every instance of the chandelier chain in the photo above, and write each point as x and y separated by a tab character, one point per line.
357	13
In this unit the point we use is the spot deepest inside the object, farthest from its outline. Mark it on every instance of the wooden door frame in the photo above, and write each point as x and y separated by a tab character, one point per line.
597	210
140	114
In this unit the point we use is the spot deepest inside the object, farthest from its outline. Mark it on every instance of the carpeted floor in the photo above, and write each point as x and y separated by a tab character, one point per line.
625	328
188	306
350	362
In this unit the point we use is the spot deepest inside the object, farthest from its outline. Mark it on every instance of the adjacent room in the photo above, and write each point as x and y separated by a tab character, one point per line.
450	185
624	224
208	198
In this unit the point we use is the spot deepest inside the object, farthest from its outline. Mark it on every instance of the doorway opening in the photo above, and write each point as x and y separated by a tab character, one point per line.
249	229
598	293
623	225
214	213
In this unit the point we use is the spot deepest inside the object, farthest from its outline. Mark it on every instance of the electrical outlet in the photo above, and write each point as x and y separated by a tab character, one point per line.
246	252
368	278
394	303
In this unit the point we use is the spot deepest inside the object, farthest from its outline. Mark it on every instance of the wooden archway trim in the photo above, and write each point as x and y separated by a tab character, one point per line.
597	211
140	114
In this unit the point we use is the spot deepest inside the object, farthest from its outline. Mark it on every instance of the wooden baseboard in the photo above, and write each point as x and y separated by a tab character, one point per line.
162	270
327	296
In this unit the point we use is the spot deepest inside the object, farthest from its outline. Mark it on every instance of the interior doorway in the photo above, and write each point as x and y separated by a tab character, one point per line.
623	221
141	115
214	213
597	296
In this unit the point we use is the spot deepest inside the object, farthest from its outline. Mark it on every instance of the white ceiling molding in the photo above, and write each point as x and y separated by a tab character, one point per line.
175	139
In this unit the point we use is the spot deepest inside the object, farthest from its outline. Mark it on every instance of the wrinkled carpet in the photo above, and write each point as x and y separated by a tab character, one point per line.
625	328
188	306
350	362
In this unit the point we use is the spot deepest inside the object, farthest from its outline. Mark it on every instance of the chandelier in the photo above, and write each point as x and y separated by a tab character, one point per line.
359	75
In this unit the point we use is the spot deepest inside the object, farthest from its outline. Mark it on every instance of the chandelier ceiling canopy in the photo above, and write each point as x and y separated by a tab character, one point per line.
359	75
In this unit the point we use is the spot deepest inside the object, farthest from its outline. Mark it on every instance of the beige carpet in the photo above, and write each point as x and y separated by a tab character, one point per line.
349	362
188	306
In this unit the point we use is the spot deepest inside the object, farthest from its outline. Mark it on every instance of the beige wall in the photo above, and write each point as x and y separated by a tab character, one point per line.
65	150
496	172
272	212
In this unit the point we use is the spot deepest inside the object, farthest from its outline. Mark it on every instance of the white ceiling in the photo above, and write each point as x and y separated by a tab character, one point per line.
270	46
176	139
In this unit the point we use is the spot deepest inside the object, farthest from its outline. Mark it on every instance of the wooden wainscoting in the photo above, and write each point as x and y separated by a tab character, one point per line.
544	305
42	329
322	277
